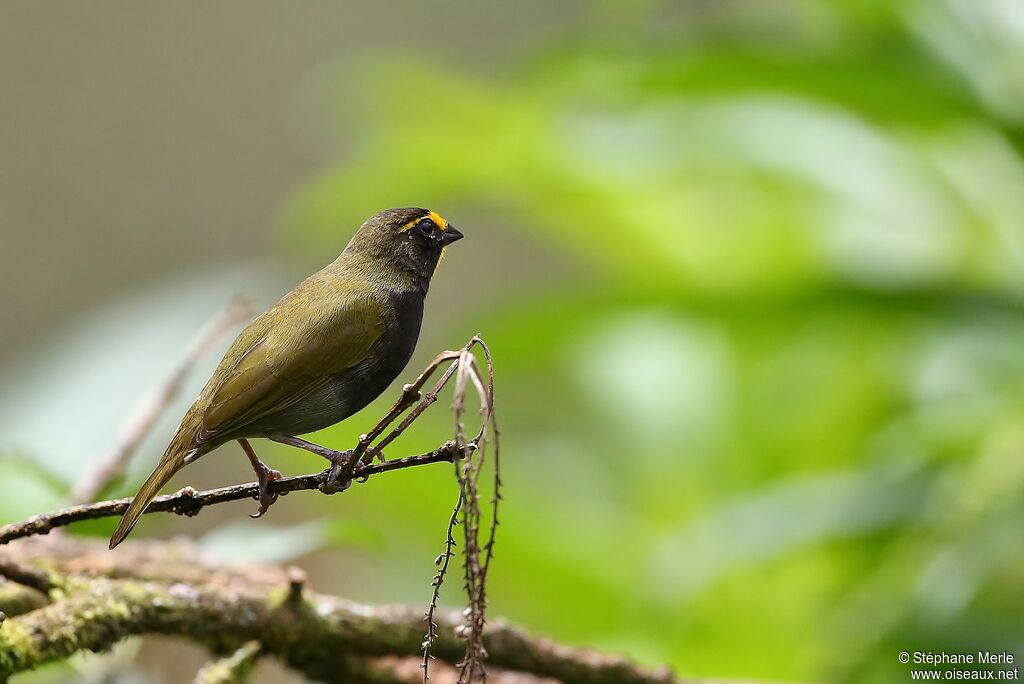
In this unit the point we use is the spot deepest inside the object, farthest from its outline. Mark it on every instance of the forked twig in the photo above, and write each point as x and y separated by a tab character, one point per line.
410	395
467	474
467	373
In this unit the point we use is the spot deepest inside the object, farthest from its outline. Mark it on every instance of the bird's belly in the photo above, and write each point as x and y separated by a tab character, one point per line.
326	406
348	392
339	398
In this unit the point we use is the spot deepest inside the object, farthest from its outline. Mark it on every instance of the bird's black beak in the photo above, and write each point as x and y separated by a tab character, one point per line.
450	234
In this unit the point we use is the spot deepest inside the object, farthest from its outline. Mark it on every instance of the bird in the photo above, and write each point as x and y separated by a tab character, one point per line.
324	351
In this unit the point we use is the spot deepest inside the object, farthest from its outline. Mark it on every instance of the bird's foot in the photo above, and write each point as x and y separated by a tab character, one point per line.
368	458
265	476
339	463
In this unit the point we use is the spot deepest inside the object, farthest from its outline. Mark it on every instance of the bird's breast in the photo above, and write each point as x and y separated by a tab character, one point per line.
403	316
351	390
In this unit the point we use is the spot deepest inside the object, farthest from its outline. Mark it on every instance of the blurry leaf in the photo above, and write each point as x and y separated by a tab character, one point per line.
28	489
806	511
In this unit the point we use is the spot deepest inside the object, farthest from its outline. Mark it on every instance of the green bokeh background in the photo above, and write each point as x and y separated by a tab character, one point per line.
752	274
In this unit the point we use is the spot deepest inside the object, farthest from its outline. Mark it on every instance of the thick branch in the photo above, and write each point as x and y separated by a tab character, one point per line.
188	501
17	599
308	635
326	638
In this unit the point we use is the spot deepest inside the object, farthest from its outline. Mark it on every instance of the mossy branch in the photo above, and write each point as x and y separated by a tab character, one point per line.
167	589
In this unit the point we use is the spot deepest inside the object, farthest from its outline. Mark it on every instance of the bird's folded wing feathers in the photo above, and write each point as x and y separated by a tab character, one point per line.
288	364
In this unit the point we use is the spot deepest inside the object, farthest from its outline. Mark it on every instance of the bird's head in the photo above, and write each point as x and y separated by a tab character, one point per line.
409	239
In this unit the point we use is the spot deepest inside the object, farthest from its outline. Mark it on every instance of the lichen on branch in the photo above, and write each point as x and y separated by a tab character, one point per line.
326	638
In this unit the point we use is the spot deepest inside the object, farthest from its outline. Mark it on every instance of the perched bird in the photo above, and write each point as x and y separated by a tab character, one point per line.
322	352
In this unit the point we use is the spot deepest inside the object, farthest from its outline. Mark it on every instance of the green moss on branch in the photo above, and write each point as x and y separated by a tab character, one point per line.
168	588
312	634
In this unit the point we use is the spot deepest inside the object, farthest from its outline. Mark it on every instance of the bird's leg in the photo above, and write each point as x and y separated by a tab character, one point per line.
264	475
338	460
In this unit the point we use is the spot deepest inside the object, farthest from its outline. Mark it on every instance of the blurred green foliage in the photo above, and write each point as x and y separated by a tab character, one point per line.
759	374
772	425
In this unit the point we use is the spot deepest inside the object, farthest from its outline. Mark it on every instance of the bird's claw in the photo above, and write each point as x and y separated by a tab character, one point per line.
368	458
265	476
334	486
333	483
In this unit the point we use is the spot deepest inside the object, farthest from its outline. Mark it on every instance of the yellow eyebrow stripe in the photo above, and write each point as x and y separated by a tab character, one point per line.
433	216
436	218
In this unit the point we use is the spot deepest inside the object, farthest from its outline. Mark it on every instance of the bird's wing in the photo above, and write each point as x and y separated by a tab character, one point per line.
292	359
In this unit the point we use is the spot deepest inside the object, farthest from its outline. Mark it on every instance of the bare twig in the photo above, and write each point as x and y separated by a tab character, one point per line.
465	369
188	501
467	473
441	562
431	396
491	418
151	406
410	395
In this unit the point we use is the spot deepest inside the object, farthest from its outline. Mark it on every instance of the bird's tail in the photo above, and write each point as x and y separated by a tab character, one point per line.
182	447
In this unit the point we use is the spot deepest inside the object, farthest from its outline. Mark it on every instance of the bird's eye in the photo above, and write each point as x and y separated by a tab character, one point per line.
427	227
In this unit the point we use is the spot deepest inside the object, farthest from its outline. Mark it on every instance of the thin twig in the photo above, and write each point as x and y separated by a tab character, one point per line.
410	395
188	501
442	562
467	473
428	399
490	418
471	665
153	404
